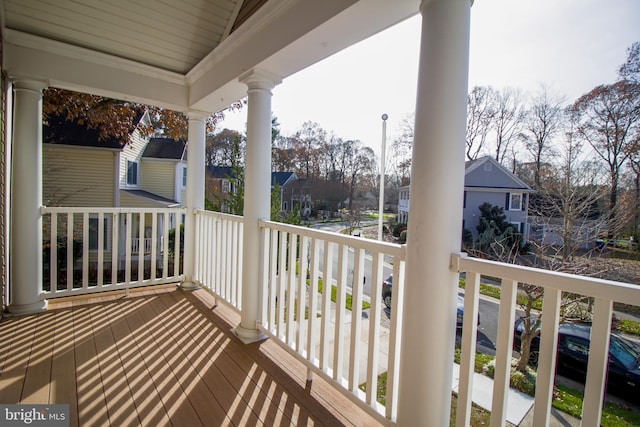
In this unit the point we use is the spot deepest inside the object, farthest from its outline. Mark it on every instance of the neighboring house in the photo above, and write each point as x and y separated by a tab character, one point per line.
82	170
161	173
221	181
485	181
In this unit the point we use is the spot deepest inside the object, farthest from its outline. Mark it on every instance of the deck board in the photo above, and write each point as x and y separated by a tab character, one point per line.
160	357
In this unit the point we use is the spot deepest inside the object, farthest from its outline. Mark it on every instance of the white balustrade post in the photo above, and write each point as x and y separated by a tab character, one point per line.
257	196
435	223
26	199
195	191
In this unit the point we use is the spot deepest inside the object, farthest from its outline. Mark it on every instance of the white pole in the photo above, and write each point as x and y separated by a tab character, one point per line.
382	161
26	199
435	221
257	197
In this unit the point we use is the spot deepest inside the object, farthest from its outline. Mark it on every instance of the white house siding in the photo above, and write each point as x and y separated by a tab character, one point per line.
74	176
132	152
157	177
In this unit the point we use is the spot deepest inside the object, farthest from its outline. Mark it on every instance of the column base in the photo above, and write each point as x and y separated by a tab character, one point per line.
248	336
189	286
35	307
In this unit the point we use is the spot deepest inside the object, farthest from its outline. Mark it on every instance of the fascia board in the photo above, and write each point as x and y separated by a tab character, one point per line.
286	41
74	68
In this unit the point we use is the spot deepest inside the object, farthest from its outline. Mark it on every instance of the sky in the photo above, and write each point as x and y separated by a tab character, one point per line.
570	46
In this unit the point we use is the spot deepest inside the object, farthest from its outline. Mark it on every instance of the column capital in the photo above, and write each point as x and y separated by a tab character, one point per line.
29	84
424	4
260	79
197	115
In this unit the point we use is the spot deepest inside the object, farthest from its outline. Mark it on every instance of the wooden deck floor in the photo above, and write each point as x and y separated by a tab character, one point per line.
159	356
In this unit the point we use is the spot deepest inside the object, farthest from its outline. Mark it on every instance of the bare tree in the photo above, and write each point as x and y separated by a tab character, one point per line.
481	109
507	122
399	158
609	120
542	121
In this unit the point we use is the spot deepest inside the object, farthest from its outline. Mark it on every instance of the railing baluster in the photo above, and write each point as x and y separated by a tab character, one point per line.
504	346
127	249
312	332
291	288
165	243
265	235
177	246
301	296
282	284
100	269
598	362
468	348
395	335
374	328
115	225
547	356
356	320
341	296
85	250
141	236
238	267
327	281
154	244
70	266
53	254
273	281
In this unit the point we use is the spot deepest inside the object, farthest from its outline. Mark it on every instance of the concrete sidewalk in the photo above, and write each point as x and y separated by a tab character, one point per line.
519	407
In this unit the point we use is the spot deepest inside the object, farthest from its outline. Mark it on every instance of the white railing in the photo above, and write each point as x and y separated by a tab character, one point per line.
147	242
219	255
554	283
102	249
350	348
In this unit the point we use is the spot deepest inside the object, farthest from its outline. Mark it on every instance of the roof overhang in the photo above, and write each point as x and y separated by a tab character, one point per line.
282	38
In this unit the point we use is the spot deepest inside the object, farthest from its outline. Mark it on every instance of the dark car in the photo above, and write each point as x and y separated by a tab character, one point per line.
623	376
386	298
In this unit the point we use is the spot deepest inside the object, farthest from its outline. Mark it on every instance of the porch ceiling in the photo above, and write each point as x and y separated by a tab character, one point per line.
180	55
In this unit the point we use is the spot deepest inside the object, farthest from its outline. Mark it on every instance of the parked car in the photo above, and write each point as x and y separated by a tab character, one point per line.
623	376
386	298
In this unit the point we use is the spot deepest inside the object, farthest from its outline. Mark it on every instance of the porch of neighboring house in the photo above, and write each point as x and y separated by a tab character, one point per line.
159	356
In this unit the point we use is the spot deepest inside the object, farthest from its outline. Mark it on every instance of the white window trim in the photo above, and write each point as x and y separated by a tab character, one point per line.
137	173
184	177
511	207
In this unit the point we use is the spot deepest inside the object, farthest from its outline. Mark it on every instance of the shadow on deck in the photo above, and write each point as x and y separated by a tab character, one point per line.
159	356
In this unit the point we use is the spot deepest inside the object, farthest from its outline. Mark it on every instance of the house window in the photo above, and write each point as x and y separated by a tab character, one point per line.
184	177
93	233
517	226
515	202
132	173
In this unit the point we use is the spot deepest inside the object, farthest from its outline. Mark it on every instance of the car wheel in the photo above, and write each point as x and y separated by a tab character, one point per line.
387	301
533	357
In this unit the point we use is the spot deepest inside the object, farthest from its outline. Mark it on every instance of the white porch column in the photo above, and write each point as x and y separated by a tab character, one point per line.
435	222
257	196
195	191
26	199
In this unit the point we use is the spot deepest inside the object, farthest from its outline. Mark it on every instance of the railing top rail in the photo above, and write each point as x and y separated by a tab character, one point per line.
232	217
582	285
108	210
392	249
